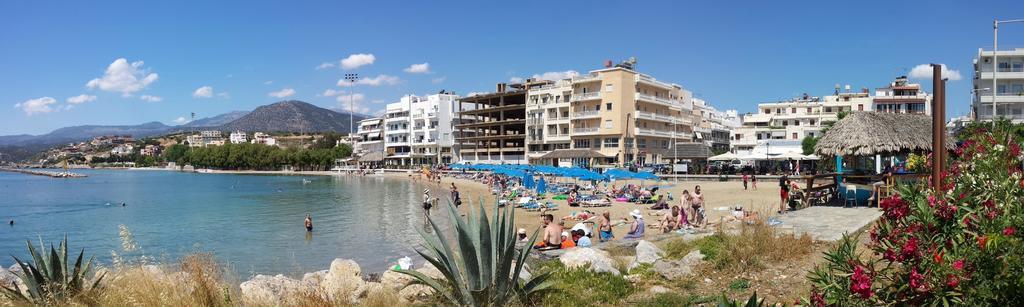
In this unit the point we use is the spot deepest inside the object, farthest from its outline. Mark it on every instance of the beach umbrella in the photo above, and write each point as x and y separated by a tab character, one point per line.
528	181
542	186
724	157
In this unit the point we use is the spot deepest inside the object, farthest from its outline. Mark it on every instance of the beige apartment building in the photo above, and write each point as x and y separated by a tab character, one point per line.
615	116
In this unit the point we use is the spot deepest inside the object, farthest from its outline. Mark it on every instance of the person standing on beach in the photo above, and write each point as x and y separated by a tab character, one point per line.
783	193
745	177
753	180
426	205
456	198
309	223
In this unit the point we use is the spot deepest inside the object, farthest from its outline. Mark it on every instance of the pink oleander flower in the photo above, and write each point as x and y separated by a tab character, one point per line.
860	283
958	265
1009	231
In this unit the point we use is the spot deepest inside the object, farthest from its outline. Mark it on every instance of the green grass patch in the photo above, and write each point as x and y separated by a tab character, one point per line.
711	246
739	284
572	287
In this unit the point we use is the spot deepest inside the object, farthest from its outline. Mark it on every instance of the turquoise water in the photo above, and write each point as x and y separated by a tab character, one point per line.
251	223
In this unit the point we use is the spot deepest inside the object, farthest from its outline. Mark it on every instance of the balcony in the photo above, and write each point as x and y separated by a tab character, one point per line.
586	96
657	100
534	121
651	81
585	131
586	114
586	78
1003	75
659	133
657	117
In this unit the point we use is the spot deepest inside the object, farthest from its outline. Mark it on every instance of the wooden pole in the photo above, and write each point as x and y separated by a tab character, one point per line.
938	127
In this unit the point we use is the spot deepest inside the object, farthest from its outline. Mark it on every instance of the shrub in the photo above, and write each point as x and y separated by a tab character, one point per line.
48	279
959	245
485	267
753	248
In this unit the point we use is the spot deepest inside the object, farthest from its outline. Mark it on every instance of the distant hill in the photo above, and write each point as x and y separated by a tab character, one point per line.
218	120
85	132
292	116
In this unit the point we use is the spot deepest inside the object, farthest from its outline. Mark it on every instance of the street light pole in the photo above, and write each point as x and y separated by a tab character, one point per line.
995	63
351	78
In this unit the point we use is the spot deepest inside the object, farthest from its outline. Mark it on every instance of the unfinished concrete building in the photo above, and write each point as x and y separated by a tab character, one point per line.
493	126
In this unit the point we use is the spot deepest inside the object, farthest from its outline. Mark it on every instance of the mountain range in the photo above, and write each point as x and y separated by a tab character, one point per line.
283	116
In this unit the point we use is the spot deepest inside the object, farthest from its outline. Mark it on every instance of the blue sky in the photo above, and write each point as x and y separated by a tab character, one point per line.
733	54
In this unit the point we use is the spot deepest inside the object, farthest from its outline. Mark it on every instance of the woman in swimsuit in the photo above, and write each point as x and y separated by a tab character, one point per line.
606	226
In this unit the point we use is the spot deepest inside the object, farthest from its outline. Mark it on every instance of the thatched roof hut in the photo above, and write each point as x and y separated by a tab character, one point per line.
870	133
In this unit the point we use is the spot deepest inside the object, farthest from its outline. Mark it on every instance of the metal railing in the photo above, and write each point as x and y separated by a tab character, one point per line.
585	114
586	96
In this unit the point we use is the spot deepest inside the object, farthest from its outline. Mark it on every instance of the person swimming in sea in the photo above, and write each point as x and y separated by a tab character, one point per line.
309	223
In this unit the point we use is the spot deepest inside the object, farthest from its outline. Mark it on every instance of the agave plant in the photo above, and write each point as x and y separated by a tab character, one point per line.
484	269
48	278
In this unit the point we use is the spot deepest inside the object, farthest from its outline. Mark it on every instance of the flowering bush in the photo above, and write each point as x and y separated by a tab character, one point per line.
959	245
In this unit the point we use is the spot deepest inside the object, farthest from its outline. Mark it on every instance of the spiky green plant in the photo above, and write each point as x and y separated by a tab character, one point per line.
484	268
753	301
48	279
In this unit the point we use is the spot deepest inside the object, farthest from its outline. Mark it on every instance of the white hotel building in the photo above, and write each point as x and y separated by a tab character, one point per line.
780	127
418	130
1009	85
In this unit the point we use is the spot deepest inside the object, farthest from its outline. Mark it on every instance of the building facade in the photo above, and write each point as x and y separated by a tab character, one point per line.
420	130
491	127
369	136
1008	77
239	137
548	114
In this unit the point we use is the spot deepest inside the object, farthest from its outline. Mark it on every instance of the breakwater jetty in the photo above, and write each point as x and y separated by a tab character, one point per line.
51	174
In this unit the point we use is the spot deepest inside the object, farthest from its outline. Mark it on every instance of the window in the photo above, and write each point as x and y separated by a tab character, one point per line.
611	143
582	143
767	111
608	106
758	136
597	107
607	124
808	110
1001	89
828	109
796	123
641	143
739	137
608	88
785	123
628	142
794	135
812	122
793	110
597	143
1017	66
1004	66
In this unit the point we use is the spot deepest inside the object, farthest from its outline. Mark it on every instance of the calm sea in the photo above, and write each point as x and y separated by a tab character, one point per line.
251	223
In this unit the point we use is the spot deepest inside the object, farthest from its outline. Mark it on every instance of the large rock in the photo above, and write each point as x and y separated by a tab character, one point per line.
315	278
674	269
646	253
395	281
598	260
416	293
344	282
273	290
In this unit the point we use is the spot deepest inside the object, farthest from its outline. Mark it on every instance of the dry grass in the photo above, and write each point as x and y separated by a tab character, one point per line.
754	247
197	282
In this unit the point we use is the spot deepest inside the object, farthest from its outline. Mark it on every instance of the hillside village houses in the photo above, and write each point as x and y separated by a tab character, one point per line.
263	138
779	127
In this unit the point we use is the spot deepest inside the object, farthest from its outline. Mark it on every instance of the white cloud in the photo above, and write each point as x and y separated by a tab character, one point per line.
372	81
124	78
83	98
924	71
268	82
203	92
418	68
357	60
181	120
40	105
438	80
515	80
224	95
331	92
325	65
557	75
357	98
150	98
282	93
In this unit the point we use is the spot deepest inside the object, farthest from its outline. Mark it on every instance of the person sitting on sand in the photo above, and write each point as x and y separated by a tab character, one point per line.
670	220
552	233
309	223
605	227
567	242
636	230
582	239
521	235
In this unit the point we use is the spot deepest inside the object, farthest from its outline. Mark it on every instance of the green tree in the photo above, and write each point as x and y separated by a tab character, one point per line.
808	144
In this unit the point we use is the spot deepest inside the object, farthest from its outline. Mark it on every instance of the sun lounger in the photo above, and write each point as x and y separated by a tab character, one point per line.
596	203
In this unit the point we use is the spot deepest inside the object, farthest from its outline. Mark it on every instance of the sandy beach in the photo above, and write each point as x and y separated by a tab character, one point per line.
719	197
